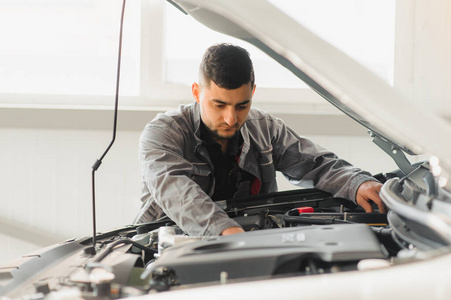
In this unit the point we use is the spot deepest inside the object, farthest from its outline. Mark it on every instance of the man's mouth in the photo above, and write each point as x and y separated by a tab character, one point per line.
228	128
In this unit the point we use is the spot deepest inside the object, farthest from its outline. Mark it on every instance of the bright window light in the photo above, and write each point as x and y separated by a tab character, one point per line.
67	47
363	29
186	41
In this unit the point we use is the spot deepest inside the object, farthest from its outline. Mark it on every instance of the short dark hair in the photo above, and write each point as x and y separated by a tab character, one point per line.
228	66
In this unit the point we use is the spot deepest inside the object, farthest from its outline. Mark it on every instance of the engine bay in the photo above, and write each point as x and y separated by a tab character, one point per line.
289	234
293	233
298	233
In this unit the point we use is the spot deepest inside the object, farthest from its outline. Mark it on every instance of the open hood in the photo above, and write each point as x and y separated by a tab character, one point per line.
305	238
335	76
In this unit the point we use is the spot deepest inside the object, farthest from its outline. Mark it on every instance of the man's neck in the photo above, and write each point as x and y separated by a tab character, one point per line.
224	144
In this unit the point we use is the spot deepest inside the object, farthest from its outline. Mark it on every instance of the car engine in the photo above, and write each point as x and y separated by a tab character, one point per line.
293	233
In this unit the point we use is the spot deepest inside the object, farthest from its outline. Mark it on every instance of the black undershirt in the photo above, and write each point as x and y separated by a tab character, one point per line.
226	171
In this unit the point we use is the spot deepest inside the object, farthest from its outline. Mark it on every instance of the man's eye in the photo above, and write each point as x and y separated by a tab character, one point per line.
242	106
219	105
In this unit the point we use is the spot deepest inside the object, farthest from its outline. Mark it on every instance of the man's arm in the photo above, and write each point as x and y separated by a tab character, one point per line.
307	164
168	174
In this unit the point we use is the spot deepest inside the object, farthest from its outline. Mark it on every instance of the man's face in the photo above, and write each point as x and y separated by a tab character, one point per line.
223	111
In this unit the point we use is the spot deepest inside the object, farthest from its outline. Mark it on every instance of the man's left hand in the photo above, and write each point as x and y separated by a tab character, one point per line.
232	230
369	191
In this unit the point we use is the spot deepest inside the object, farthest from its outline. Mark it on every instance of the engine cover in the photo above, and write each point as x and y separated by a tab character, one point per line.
269	252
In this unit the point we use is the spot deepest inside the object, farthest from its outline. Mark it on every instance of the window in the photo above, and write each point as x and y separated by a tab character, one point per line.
58	52
362	29
67	47
194	38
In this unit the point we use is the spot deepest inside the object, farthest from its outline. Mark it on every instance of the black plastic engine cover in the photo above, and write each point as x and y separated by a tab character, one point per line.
263	253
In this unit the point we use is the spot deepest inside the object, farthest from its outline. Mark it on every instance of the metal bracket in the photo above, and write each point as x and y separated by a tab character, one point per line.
395	153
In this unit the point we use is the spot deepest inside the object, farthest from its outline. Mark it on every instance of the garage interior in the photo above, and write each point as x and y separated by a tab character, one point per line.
52	131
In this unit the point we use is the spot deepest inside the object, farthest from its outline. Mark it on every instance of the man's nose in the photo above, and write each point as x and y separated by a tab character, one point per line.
230	116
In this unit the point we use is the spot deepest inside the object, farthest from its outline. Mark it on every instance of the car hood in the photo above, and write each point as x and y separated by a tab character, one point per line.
335	76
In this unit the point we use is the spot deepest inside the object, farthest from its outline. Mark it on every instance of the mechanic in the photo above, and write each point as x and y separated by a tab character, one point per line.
218	147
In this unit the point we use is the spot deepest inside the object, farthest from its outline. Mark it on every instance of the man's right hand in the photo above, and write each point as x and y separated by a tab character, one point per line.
232	230
369	191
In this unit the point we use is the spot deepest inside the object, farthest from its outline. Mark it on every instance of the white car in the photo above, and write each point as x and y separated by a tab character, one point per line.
332	249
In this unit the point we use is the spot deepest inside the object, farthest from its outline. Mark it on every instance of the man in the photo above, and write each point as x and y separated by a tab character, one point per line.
219	147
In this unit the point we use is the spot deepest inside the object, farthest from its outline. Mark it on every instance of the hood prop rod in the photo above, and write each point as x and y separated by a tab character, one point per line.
92	250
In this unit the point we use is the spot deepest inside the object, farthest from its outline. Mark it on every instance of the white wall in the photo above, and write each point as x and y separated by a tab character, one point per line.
422	53
46	178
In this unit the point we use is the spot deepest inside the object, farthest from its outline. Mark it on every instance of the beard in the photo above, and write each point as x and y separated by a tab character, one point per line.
217	136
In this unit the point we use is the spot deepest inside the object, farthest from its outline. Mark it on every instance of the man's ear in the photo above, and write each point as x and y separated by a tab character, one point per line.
195	90
253	91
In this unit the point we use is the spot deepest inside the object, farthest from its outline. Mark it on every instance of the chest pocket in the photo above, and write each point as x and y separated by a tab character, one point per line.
202	176
267	168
